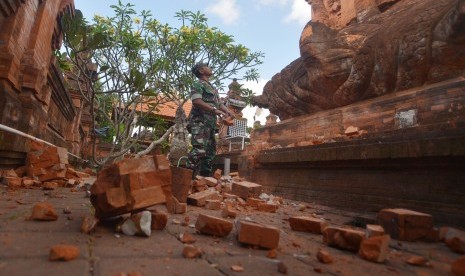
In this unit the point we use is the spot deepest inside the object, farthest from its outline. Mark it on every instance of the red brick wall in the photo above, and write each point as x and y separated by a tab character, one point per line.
26	84
417	164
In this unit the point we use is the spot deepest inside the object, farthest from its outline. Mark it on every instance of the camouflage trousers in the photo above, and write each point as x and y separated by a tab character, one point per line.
203	146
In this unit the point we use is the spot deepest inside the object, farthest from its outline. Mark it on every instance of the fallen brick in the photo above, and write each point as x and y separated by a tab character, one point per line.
375	248
245	189
181	183
9	173
324	256
131	184
174	206
373	230
191	252
228	212
282	268
27	183
210	181
344	238
237	268
49	185
405	225
258	234
417	261
88	224
267	207
433	235
272	254
307	224
187	238
351	131
200	198
455	240
217	174
63	252
44	211
213	226
159	220
13	182
253	202
457	267
213	204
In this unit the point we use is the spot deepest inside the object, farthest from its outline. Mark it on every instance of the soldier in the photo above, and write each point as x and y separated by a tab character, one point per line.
202	120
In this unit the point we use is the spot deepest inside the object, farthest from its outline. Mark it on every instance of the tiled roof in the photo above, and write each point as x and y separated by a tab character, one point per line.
167	110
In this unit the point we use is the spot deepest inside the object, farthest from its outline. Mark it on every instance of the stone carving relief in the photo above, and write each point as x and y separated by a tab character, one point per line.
354	50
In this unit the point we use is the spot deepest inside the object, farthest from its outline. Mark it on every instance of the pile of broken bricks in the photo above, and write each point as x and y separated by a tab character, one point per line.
133	189
47	168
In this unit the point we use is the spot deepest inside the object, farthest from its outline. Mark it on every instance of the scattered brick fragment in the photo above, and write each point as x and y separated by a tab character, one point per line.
253	202
213	204
373	230
267	207
191	252
351	131
282	268
49	185
187	238
375	248
228	212
272	254
307	224
217	174
417	261
457	267
13	182
344	238
404	224
210	181
63	252
245	189
44	211
455	240
174	206
159	220
200	198
324	256
258	234
88	224
237	268
213	226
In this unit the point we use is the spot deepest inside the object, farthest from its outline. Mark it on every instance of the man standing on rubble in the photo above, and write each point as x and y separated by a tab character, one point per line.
202	120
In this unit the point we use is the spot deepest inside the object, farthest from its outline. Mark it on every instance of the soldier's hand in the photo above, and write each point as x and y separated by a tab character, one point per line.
219	112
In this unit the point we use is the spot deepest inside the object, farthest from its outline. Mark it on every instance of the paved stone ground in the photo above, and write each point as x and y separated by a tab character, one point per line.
25	244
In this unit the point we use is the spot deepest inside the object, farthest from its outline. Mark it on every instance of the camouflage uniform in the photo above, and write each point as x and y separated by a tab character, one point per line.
202	126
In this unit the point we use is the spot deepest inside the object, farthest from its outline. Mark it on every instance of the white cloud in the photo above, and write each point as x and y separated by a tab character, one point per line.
301	12
227	10
251	111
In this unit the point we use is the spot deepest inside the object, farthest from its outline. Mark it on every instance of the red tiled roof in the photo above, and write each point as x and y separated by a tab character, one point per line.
166	110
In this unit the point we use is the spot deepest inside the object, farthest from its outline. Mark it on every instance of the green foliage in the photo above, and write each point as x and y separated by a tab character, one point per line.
131	58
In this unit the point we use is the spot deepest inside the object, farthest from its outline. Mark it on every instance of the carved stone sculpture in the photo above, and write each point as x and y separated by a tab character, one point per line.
354	50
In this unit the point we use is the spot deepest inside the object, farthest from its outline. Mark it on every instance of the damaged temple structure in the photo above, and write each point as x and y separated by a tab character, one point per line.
35	97
372	113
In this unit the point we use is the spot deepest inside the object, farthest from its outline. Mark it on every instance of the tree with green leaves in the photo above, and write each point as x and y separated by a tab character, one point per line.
128	63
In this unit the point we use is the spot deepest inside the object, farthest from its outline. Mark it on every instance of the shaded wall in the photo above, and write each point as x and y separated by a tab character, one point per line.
33	96
409	152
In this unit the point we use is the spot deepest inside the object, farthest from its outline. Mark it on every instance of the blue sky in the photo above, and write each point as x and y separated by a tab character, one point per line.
270	26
